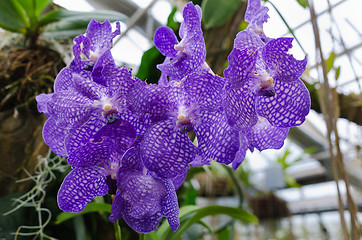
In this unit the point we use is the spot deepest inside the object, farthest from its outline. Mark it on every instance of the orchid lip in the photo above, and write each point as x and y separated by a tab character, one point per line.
266	92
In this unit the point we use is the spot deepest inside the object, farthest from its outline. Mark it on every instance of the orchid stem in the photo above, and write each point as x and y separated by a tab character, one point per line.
117	230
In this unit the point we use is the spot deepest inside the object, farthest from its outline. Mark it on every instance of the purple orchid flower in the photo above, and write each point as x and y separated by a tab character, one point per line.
189	54
142	198
265	136
191	104
274	92
80	107
256	16
96	41
84	100
95	166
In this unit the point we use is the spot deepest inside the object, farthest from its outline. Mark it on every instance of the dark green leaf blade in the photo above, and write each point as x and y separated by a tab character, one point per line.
330	61
90	207
69	24
147	70
33	8
194	214
217	12
338	72
303	3
12	16
236	213
67	15
164	229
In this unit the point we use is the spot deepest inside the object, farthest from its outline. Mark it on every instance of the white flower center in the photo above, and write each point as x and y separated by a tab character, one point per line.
113	170
265	79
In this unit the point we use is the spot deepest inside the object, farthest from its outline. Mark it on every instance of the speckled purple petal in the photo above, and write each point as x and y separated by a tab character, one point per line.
166	151
64	80
241	64
80	187
148	100
139	125
131	160
192	15
239	106
265	136
200	161
118	208
54	137
70	109
106	59
288	107
217	140
42	103
178	180
191	52
88	88
145	224
80	136
163	81
282	64
191	61
248	40
170	205
259	19
165	41
204	89
100	37
77	50
121	132
119	80
240	155
143	193
252	9
92	154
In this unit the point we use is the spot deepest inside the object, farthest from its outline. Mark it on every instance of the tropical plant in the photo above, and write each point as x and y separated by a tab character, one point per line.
32	17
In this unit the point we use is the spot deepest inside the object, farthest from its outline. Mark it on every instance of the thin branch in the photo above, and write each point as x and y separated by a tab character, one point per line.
326	109
344	45
331	114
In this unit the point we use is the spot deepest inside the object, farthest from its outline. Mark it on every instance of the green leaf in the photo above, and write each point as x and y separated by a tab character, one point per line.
69	24
28	8
67	15
303	3
164	229
90	207
40	5
310	150
217	12
147	70
291	182
190	195
164	232
330	61
151	236
338	71
224	233
171	23
283	160
79	224
12	16
65	29
33	8
205	225
236	213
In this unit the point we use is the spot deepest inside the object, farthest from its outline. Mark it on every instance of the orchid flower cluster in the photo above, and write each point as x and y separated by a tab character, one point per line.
131	139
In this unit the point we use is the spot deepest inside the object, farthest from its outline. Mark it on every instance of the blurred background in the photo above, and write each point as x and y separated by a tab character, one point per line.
311	188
